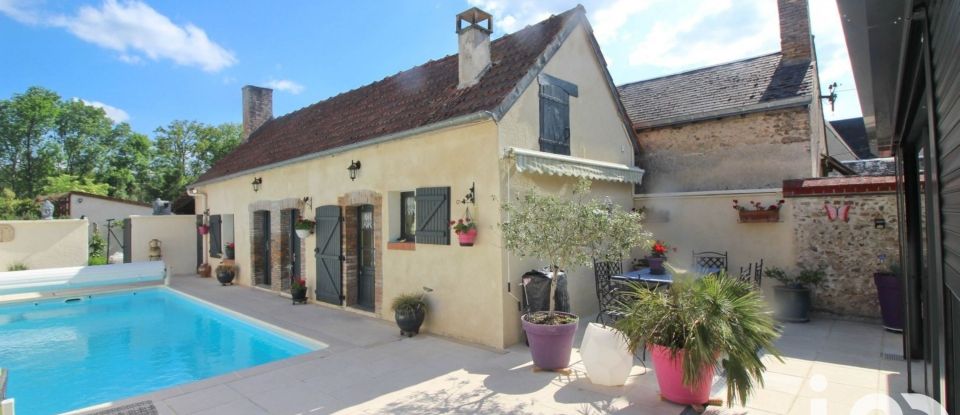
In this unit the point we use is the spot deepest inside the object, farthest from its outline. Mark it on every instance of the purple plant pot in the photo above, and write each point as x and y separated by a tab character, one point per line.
656	265
550	346
890	294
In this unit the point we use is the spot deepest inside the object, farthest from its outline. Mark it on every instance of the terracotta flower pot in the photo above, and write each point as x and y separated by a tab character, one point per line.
669	371
550	345
467	238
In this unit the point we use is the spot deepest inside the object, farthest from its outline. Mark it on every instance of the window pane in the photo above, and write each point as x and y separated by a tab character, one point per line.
408	220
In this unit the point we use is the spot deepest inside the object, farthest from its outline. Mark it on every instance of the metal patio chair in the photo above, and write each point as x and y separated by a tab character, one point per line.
607	291
753	273
708	262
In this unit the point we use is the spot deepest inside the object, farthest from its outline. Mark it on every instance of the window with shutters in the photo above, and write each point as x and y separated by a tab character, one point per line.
216	236
433	215
555	114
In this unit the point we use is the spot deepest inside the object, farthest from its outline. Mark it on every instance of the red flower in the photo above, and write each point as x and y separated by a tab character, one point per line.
459	221
453	222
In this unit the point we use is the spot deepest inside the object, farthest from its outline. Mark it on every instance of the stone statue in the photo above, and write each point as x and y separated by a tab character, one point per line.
46	210
161	207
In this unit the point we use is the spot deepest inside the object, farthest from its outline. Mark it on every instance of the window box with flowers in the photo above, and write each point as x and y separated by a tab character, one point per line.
466	230
757	212
304	227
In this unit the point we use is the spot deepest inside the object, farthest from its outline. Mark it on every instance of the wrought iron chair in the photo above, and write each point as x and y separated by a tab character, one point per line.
709	261
607	290
753	273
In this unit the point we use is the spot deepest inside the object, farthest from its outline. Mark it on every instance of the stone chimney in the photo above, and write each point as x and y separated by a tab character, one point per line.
257	108
474	39
795	41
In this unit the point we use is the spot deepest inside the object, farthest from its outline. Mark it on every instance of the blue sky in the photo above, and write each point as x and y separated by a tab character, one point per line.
150	62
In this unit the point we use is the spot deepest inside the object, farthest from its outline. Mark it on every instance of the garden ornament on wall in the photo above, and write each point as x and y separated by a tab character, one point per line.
835	212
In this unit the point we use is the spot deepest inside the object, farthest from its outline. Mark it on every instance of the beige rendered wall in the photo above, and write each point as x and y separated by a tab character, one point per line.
596	132
177	234
753	151
45	244
97	211
467	283
707	222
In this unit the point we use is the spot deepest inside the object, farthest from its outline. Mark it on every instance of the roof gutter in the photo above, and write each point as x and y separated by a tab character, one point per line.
766	106
449	122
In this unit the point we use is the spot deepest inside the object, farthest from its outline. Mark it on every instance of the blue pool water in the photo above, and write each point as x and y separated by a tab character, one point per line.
63	356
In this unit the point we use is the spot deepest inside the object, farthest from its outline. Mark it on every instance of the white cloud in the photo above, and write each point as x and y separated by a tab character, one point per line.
285	85
134	30
116	114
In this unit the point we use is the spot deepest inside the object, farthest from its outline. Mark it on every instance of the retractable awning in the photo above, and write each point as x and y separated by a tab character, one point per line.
558	165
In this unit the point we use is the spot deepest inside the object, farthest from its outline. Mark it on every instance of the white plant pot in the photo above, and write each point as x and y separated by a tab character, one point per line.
605	355
303	233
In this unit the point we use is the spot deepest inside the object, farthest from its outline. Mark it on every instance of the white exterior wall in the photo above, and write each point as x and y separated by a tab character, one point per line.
97	211
41	244
177	234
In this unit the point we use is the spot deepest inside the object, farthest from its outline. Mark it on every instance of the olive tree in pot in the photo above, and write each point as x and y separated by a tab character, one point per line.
697	325
566	232
792	297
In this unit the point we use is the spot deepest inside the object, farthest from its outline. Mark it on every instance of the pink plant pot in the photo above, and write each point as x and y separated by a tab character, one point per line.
467	238
669	371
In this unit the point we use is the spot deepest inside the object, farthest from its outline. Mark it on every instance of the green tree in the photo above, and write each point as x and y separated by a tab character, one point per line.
128	165
185	149
27	122
64	183
86	134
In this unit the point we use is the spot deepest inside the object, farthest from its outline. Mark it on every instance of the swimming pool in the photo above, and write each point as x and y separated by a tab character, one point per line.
69	354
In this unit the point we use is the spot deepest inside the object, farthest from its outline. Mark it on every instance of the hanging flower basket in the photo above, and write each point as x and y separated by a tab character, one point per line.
304	227
203	229
759	213
467	238
466	230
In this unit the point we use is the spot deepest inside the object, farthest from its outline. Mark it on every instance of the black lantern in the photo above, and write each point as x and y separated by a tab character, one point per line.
354	169
257	181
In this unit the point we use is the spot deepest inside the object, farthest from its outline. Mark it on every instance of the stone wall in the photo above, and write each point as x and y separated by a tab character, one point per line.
849	249
751	151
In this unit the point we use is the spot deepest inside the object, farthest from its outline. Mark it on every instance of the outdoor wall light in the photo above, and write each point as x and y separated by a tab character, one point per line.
879	223
257	181
354	169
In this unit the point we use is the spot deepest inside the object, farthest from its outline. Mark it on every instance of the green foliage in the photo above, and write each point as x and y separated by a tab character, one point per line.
64	183
570	231
52	145
98	246
13	208
807	277
19	266
409	302
712	320
304	224
97	260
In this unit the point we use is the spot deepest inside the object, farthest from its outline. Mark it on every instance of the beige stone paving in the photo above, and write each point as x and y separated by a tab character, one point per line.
369	369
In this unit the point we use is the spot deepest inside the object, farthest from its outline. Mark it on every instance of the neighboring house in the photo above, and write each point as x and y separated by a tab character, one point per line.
853	132
530	111
731	132
100	211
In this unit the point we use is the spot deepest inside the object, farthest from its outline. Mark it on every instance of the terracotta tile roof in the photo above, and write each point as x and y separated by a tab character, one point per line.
413	98
716	88
839	185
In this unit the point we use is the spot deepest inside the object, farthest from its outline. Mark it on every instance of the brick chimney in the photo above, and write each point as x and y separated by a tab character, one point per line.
795	41
257	108
474	40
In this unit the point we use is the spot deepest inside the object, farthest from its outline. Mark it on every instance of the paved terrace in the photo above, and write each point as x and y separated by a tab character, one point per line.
369	368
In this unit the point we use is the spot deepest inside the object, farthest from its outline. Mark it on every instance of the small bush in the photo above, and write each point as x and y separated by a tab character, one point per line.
409	302
97	246
17	267
97	260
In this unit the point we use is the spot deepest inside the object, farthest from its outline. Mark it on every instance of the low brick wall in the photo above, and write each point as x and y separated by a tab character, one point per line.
847	246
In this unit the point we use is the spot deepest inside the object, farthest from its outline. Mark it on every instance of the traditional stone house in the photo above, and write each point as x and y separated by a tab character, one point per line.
384	167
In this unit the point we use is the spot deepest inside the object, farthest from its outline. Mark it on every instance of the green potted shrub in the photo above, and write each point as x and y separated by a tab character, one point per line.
792	297
697	325
409	310
565	232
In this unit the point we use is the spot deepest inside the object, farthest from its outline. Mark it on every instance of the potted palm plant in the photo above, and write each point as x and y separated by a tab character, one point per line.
700	324
304	227
580	230
409	311
793	296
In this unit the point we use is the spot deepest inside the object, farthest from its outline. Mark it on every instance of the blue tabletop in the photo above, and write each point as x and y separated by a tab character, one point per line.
644	275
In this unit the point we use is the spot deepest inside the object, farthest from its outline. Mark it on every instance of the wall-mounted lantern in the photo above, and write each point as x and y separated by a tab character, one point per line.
354	169
257	181
879	223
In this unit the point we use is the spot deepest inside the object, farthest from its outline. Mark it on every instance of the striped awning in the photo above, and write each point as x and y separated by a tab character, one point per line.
558	165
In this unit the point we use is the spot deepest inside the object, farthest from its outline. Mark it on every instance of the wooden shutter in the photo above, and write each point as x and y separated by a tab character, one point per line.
433	215
216	239
554	119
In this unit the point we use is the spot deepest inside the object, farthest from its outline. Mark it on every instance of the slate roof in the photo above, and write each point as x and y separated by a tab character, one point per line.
413	98
716	89
854	133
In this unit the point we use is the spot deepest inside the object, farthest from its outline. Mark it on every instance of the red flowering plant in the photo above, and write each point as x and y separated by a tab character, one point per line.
463	225
298	284
230	245
659	250
757	205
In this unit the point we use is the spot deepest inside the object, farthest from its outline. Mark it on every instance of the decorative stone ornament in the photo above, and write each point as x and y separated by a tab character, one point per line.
605	355
46	210
6	233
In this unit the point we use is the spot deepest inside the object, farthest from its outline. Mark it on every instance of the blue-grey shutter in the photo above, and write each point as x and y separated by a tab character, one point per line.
554	119
216	244
433	215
